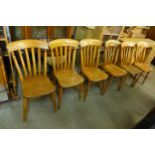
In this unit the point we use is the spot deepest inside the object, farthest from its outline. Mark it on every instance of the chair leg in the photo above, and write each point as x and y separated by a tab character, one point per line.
104	87
145	77
133	80
60	96
137	78
109	82
81	91
25	109
121	82
101	87
54	102
86	90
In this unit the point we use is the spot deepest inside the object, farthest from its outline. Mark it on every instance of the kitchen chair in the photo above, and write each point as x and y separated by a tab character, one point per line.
142	53
90	55
30	60
127	59
111	55
63	52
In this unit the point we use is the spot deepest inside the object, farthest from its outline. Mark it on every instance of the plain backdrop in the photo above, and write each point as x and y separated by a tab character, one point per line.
77	13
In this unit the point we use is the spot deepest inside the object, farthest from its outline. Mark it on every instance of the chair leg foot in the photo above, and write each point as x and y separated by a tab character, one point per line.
25	109
103	87
121	82
133	81
136	79
108	82
81	91
60	96
54	102
86	90
145	77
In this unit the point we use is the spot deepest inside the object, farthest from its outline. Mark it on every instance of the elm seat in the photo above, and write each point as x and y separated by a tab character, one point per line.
94	74
144	67
36	86
68	78
114	70
132	70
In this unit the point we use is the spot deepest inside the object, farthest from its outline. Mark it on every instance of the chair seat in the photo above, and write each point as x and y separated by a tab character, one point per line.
144	67
131	69
36	86
114	70
68	78
94	74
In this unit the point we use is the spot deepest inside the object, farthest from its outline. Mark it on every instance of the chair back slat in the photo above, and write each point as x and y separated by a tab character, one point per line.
39	60
73	61
22	62
65	57
29	61
45	62
69	57
112	49
127	53
17	67
63	52
94	54
61	55
90	52
34	61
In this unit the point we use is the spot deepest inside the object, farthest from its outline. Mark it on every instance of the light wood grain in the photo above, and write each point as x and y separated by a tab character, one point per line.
90	56
63	55
110	61
142	53
128	50
35	83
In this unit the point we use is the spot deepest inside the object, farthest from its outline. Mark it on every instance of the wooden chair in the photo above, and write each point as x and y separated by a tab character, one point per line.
127	59
29	56
111	54
142	53
63	53
90	55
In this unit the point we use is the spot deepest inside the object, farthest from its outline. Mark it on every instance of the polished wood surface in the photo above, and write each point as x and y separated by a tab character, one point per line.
27	56
63	52
90	56
142	53
127	57
111	57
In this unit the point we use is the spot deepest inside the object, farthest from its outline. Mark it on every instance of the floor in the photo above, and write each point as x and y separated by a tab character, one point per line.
113	110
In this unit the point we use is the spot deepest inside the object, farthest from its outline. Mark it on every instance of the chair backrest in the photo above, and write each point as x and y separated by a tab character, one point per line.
90	52
63	52
142	52
111	54
127	53
27	57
